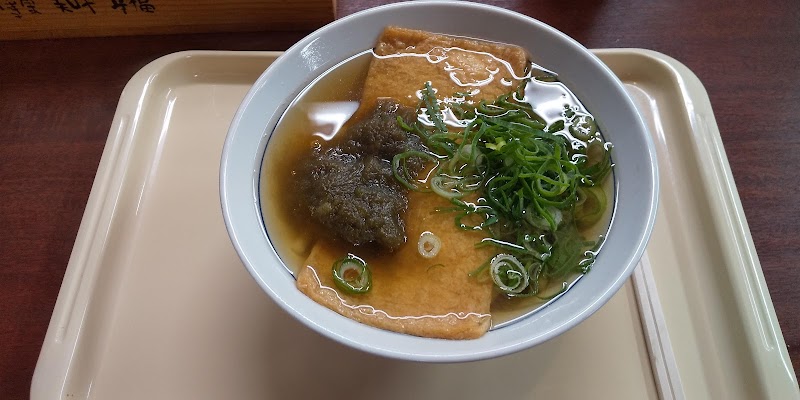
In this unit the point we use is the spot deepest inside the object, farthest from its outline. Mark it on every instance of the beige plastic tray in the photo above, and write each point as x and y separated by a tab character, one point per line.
155	303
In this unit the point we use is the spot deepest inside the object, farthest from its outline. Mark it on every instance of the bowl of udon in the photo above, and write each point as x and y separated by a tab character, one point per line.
439	181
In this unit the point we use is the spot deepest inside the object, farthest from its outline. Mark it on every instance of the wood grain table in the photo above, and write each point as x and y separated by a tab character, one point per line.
57	99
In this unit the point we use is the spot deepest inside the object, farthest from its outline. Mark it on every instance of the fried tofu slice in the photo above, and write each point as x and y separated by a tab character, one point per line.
406	58
424	297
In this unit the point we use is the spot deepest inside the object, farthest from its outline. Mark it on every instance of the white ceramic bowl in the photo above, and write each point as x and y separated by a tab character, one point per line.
595	85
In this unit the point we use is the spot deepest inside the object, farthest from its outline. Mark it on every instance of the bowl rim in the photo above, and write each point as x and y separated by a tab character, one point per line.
367	338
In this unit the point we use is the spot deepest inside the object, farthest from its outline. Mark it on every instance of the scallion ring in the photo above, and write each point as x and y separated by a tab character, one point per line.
583	127
540	220
508	274
590	207
401	171
445	186
429	245
352	275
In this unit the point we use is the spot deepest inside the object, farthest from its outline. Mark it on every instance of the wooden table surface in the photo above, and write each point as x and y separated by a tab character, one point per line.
57	99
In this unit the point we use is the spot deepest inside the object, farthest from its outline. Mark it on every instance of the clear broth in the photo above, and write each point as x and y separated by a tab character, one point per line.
317	115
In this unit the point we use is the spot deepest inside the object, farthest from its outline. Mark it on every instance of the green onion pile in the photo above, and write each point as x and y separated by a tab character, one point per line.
529	185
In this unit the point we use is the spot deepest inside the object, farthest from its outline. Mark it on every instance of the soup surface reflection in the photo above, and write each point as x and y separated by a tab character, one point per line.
405	204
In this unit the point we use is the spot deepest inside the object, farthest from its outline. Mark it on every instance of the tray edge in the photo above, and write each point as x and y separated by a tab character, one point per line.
761	326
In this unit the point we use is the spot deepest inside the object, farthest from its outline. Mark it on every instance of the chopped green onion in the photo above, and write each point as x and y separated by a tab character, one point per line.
590	206
429	245
508	274
537	183
445	186
403	174
434	266
583	127
432	107
352	275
